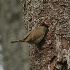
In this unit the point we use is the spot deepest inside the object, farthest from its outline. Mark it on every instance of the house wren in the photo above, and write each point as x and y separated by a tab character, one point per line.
35	35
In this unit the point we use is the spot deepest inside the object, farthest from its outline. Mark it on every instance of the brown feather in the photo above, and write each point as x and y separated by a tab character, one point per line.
34	36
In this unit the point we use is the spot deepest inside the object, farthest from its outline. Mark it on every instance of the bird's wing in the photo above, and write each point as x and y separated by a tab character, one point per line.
35	34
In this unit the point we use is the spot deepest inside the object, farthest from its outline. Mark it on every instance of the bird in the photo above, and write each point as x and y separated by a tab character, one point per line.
35	36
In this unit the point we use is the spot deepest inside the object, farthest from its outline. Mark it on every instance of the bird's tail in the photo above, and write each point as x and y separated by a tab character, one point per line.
17	41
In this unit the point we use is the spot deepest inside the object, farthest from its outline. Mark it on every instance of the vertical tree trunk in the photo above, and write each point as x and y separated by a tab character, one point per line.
54	13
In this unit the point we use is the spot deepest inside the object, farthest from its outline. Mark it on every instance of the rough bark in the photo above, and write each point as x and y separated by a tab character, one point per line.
54	13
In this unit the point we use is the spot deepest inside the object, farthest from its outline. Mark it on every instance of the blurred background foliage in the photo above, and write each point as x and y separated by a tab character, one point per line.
12	56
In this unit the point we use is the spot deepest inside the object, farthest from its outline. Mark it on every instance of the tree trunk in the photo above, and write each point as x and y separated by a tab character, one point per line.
53	53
